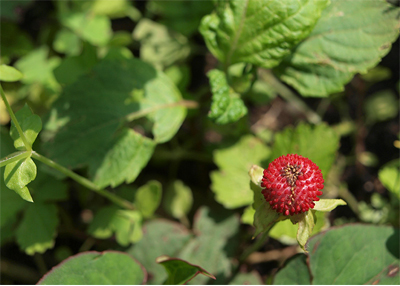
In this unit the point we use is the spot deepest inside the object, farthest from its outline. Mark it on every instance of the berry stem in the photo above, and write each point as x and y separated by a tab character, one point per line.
256	245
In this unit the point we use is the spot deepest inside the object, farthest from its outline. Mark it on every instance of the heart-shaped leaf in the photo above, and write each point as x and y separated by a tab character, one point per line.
180	271
92	267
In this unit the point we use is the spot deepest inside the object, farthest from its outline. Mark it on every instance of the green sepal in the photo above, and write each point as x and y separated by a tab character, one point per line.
306	226
327	205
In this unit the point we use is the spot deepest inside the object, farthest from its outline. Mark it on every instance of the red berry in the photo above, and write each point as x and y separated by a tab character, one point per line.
292	183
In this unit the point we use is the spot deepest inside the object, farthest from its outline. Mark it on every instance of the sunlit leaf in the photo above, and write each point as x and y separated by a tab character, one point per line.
30	123
256	31
344	42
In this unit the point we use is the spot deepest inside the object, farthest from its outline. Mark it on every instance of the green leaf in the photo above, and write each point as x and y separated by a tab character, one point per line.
214	245
231	183
127	225
362	254
160	237
226	106
306	226
71	68
258	32
389	176
127	155
148	198
251	278
38	68
36	232
318	143
286	232
295	272
327	205
67	42
381	106
18	174
178	199
8	73
46	188
180	271
248	215
86	123
181	16
10	204
30	123
344	42
115	9
160	46
95	29
92	267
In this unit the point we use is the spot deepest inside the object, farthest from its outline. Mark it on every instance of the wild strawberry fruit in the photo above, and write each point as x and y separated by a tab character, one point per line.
292	183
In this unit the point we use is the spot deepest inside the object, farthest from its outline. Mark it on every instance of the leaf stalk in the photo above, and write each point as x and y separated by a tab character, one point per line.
15	121
84	182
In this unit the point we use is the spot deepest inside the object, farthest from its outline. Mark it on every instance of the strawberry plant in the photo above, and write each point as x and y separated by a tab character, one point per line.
199	142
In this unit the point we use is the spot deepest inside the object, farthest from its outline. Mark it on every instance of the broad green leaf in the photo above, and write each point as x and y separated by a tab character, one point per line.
361	254
214	245
92	267
306	226
67	42
85	127
10	202
127	155
18	174
95	29
318	143
71	68
38	68
37	230
115	9
389	176
231	183
160	46
125	224
181	16
344	42
327	205
251	278
148	198
381	106
286	232
30	123
180	271
160	237
260	32
295	272
226	106
8	73
46	188
178	199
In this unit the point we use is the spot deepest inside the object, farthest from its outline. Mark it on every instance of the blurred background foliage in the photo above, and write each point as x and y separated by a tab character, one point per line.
193	199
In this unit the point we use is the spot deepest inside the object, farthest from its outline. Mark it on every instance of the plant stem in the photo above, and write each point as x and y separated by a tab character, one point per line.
84	182
256	245
135	115
14	157
15	121
350	199
290	97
